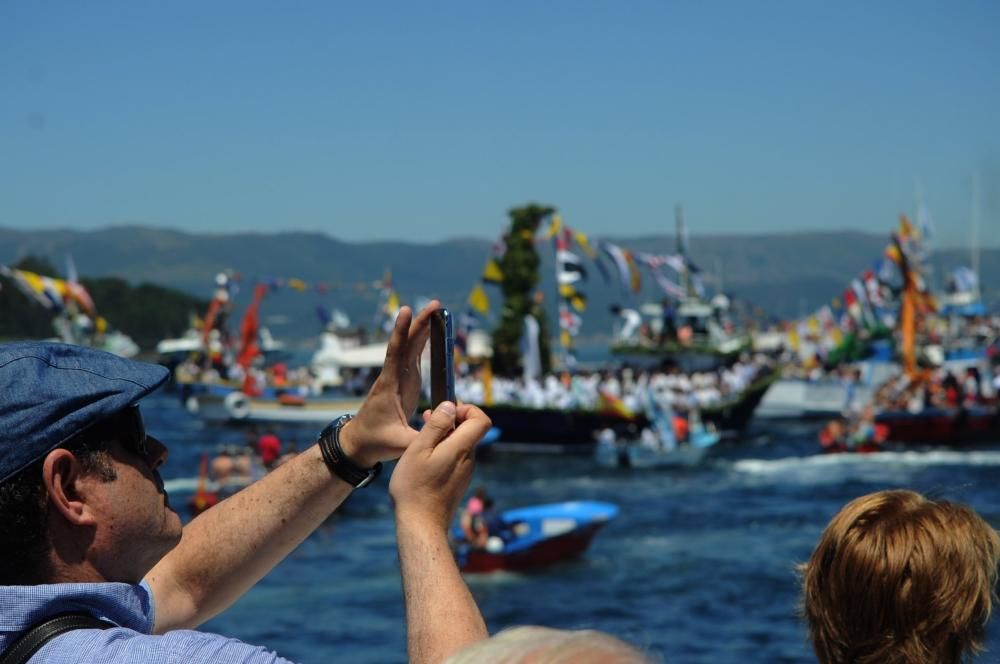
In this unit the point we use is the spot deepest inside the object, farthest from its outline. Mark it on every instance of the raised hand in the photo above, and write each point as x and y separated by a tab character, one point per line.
434	472
381	430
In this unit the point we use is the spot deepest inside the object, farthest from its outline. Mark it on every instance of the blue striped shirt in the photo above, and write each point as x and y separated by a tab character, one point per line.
130	607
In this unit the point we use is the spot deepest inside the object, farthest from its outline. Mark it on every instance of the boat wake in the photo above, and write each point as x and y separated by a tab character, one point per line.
190	484
882	459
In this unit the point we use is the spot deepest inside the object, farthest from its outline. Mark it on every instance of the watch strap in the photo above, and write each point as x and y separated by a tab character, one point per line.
338	462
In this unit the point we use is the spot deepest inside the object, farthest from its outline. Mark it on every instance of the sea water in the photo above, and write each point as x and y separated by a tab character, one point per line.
698	567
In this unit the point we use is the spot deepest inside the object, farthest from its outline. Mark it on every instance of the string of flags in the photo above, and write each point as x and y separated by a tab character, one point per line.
51	292
616	265
868	301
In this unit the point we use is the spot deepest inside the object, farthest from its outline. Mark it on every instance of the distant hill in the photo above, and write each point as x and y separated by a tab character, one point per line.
784	274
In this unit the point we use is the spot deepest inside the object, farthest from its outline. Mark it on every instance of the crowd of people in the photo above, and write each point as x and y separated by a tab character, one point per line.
262	452
589	390
894	578
938	388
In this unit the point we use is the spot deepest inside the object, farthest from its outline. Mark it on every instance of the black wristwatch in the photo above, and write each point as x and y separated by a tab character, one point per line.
337	461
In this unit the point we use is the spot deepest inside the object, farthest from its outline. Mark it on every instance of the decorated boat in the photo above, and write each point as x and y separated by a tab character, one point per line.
557	430
535	536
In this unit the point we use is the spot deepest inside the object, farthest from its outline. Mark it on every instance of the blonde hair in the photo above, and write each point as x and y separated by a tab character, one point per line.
542	645
899	578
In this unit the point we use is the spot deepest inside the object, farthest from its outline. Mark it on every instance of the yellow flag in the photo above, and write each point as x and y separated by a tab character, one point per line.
906	228
793	338
578	302
565	339
554	227
478	299
584	243
297	284
392	304
566	290
492	273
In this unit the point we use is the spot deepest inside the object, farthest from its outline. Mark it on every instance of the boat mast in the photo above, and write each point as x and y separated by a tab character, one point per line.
682	248
976	212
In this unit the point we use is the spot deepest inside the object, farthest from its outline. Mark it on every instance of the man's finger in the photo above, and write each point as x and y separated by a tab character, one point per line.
465	411
438	426
397	343
420	331
468	434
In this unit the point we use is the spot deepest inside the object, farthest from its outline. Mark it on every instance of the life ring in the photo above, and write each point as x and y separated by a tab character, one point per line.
237	405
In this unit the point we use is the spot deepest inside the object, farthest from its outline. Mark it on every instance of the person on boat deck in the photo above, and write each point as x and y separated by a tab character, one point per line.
953	396
269	448
81	495
682	429
491	519
972	387
470	515
668	327
897	578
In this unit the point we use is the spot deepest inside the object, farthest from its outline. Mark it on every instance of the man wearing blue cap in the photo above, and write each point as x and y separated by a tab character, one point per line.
91	537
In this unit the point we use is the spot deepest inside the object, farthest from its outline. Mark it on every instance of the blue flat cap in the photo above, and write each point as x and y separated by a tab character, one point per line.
50	391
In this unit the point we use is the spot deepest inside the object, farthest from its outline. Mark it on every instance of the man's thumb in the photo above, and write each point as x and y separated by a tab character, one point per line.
440	424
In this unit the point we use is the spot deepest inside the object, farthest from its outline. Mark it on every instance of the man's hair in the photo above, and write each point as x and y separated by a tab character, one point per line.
24	512
543	645
899	578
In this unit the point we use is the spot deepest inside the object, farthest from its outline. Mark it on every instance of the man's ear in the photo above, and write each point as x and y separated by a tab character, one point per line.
66	483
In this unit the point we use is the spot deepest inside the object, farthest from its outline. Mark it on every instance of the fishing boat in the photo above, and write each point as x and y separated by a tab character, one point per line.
226	404
536	536
937	413
555	430
326	397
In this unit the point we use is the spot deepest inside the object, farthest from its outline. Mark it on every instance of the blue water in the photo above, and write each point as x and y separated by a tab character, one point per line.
698	567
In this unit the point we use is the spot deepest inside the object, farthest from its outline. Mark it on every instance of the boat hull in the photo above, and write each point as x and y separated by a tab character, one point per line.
565	547
554	430
544	534
220	405
939	426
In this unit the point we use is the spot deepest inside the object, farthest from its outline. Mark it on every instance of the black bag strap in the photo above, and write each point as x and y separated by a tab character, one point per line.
41	633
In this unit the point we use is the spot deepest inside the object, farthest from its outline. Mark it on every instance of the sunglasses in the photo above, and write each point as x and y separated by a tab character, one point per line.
136	438
126	427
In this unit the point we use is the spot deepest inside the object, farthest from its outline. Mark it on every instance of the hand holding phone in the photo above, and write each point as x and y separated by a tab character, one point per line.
442	357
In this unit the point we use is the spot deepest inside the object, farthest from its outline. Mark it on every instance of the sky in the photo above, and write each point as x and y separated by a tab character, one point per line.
427	121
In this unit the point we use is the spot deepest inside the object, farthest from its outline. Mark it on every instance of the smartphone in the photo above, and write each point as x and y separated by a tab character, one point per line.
442	357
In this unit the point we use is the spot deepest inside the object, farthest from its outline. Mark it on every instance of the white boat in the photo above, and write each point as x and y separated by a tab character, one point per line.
173	351
830	396
338	352
224	404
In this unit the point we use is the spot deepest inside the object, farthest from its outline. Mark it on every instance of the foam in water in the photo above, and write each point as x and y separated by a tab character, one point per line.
908	458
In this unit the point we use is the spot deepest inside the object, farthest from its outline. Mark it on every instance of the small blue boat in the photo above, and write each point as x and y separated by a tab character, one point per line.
536	536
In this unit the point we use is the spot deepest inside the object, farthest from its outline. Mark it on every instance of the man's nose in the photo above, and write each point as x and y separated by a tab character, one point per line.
156	452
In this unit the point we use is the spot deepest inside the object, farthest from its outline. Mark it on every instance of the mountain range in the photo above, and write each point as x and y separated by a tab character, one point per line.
785	274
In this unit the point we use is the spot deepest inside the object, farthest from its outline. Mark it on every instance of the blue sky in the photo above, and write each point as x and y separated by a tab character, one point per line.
424	121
